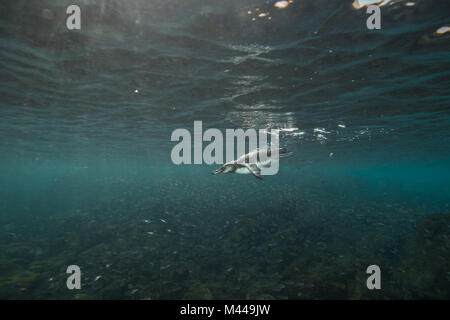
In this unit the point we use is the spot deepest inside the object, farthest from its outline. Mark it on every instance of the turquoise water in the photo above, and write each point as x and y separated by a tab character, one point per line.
86	176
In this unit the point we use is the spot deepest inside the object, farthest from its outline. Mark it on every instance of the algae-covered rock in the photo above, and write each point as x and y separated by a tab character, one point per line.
20	279
198	291
84	296
14	274
263	296
426	268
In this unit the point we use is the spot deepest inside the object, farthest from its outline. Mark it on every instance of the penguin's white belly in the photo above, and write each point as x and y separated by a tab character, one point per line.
243	170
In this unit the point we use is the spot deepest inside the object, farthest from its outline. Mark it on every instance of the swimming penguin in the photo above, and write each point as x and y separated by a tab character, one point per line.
243	165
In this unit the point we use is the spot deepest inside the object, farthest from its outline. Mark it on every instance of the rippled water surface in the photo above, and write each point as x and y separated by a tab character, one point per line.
86	175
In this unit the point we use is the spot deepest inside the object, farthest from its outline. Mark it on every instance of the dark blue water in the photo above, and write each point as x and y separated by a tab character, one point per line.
86	175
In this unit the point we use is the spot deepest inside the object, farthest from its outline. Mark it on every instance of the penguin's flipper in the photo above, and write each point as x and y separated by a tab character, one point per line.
254	170
218	170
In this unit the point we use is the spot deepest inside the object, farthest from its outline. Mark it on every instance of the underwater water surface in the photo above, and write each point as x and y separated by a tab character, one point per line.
87	179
